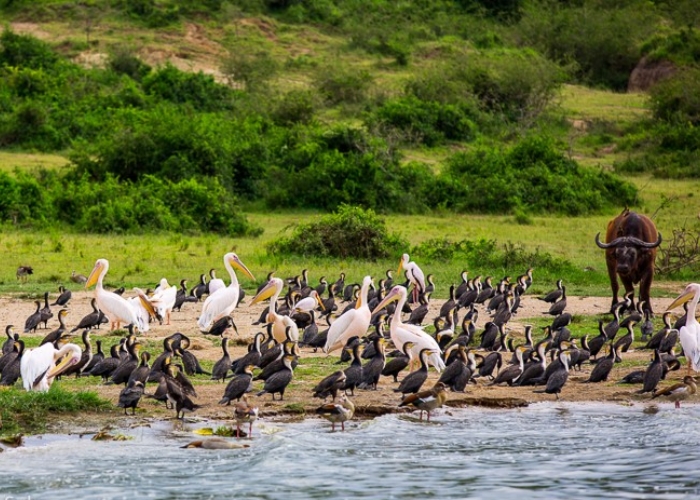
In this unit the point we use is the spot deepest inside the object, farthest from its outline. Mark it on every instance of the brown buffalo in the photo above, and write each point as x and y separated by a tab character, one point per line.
630	251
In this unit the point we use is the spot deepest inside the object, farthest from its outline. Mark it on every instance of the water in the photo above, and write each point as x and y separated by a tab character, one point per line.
544	451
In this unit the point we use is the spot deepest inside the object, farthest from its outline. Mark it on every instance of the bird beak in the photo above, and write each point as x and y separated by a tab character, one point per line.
391	296
61	367
398	271
92	279
147	304
681	299
265	293
238	264
320	302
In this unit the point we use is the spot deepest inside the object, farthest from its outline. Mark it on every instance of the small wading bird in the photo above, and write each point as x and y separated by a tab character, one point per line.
339	412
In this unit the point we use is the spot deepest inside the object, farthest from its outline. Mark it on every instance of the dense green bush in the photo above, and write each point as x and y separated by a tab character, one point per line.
600	43
351	232
681	47
677	99
428	122
534	177
341	84
25	51
195	89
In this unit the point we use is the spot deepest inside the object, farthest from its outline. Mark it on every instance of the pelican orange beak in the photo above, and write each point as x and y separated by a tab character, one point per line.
94	275
398	271
392	295
146	303
267	292
62	366
681	299
320	302
238	264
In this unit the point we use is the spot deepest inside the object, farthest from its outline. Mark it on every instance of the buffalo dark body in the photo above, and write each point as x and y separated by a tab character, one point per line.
630	253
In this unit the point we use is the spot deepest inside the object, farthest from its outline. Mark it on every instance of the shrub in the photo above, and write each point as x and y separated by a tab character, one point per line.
341	84
351	232
534	177
296	106
196	89
25	51
253	69
123	61
428	122
677	99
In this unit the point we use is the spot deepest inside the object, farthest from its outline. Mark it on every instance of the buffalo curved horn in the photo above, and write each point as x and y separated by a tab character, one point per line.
628	240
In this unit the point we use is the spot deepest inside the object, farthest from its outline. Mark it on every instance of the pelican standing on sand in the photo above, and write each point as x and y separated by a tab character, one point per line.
222	302
690	333
414	274
41	365
354	323
401	332
280	322
115	307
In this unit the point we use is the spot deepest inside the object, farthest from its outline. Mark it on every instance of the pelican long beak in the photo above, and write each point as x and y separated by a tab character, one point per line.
62	366
238	264
681	299
320	302
94	275
145	302
393	295
398	271
267	292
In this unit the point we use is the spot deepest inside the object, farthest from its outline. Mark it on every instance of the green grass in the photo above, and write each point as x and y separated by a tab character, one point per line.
29	412
9	161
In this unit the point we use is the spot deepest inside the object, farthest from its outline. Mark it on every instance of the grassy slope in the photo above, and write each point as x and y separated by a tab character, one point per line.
141	260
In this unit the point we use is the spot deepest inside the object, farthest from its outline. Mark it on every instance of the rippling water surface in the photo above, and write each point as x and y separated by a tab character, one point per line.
544	451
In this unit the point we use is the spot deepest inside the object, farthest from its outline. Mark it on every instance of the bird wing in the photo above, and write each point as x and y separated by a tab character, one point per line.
690	340
34	365
215	285
218	304
116	307
353	323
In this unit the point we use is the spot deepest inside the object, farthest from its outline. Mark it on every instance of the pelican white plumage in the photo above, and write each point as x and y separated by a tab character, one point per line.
223	301
115	307
401	332
280	322
414	274
354	322
690	333
41	365
214	282
308	303
163	299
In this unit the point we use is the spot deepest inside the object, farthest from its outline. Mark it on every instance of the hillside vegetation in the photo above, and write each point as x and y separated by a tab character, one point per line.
181	116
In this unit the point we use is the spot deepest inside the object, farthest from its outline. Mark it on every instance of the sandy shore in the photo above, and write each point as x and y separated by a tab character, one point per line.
298	400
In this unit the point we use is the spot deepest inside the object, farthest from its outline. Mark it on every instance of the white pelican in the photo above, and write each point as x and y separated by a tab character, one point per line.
222	302
280	322
115	307
414	274
215	283
163	299
401	332
690	333
355	322
308	303
39	368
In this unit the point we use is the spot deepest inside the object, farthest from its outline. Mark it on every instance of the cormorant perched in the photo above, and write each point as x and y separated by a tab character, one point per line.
238	386
556	380
653	374
353	373
398	363
330	385
223	365
130	396
412	382
33	319
63	297
278	381
252	357
602	369
45	311
554	295
58	332
373	368
457	374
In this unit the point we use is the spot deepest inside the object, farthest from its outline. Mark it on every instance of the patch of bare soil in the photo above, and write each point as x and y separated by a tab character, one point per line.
298	400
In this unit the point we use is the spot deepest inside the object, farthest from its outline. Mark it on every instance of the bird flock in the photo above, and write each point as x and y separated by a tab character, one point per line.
380	330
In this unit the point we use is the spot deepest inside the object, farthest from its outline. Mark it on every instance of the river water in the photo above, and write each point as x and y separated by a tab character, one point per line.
548	450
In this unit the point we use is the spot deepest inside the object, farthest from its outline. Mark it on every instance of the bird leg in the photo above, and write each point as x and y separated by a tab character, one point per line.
678	404
342	426
250	430
238	430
